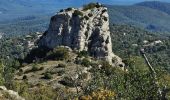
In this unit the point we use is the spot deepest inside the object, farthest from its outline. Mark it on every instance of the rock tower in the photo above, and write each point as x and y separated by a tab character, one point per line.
83	29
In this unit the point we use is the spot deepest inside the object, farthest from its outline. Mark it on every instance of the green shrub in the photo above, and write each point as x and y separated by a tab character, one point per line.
41	68
67	81
103	11
77	13
47	75
59	53
105	18
114	60
24	77
61	72
106	67
98	5
69	9
20	70
91	6
90	14
42	92
86	17
36	53
34	68
83	53
61	66
61	10
86	62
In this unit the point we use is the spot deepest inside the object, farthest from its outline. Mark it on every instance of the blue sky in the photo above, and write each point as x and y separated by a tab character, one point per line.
132	1
124	2
75	3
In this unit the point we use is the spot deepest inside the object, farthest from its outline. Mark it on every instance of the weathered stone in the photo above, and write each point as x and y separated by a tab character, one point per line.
81	33
11	94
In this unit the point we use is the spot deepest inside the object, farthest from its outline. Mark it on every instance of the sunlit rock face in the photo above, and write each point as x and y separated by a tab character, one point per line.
81	30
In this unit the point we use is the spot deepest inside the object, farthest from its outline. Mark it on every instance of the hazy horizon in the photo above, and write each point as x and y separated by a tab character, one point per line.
111	2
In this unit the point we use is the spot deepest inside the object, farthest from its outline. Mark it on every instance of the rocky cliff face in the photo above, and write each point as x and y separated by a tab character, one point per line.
82	29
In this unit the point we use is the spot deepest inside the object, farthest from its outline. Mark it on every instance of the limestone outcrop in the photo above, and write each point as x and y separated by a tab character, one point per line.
83	29
6	94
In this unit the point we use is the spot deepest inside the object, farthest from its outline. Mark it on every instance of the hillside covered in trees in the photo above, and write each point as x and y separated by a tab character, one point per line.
127	41
153	16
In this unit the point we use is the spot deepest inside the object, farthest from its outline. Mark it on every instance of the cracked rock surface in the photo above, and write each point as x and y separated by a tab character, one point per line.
82	30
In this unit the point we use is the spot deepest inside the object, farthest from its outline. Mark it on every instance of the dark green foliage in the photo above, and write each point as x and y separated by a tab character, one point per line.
61	10
90	14
53	18
134	84
105	18
86	62
42	92
77	13
106	68
91	6
103	11
59	53
24	26
69	9
61	72
83	54
86	17
20	70
161	6
47	75
125	36
24	77
41	68
35	54
8	76
154	20
68	81
61	65
34	68
1	73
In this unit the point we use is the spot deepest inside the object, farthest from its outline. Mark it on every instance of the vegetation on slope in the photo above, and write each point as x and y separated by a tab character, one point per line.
153	16
140	16
106	82
127	41
162	6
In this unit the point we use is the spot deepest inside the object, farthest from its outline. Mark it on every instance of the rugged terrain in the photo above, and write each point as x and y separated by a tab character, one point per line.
61	66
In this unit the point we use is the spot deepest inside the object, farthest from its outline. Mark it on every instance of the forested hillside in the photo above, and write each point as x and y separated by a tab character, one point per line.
127	41
153	16
161	6
140	16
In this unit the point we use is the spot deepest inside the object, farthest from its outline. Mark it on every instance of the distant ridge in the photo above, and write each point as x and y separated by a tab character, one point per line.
153	15
150	15
162	6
